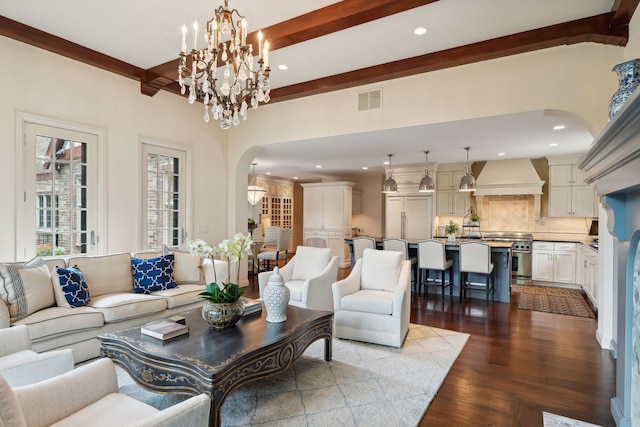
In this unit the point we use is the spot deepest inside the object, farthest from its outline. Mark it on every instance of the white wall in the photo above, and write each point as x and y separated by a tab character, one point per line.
45	84
575	78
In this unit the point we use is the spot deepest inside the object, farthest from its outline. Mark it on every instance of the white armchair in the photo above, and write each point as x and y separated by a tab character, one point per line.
308	275
88	396
20	365
373	304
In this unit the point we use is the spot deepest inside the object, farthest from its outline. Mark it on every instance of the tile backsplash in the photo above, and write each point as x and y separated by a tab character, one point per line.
516	213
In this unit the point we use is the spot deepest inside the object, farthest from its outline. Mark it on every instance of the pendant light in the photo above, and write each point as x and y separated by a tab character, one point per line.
426	184
390	185
467	182
255	192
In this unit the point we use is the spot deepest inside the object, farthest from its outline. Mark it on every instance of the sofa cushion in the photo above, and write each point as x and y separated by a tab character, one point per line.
310	262
186	269
181	295
70	287
26	288
380	269
54	321
295	289
153	253
369	301
122	306
153	274
106	274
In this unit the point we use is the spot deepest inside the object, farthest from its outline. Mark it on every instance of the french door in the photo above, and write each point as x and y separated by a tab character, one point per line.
163	196
60	200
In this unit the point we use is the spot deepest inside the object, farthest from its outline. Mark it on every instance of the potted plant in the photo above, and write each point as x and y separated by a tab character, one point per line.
451	229
475	219
223	307
251	225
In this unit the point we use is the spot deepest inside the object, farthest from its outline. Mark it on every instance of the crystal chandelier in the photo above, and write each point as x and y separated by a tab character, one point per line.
223	74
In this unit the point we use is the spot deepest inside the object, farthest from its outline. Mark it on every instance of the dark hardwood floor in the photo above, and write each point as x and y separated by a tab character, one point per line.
515	365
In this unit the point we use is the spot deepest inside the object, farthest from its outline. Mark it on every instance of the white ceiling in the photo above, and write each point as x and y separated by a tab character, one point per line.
147	33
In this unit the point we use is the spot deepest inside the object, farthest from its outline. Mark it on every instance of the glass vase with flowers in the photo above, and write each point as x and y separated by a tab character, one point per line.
223	307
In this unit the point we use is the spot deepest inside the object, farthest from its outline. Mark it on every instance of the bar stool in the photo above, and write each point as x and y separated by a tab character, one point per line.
402	245
359	245
476	258
432	256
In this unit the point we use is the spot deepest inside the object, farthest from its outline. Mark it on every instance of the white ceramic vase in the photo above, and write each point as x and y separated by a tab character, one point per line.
276	298
452	237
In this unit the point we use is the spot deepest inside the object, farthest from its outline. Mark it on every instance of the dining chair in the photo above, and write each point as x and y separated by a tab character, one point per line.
432	256
279	251
476	258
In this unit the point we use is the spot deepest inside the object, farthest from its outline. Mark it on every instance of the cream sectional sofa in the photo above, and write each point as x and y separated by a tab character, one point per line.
28	297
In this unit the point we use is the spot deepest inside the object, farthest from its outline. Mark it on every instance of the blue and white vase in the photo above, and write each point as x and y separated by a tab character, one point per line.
629	79
276	298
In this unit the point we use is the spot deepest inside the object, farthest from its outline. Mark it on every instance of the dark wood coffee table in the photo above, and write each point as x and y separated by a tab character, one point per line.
217	362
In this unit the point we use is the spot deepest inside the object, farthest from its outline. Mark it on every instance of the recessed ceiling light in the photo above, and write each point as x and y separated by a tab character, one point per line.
364	168
558	127
318	166
283	67
553	144
386	163
501	154
268	173
295	177
420	31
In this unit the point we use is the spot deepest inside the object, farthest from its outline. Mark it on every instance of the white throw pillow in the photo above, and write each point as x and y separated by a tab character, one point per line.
380	269
186	270
310	262
26	290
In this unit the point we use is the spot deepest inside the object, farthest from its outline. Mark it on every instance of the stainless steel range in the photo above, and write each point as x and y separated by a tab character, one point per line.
521	259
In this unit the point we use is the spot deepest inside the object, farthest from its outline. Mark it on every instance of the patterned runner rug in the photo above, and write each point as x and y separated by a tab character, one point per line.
363	385
553	300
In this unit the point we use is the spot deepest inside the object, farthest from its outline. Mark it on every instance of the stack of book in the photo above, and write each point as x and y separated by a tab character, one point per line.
251	305
163	329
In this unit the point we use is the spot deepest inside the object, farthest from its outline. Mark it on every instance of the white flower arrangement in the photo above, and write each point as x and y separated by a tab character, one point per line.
230	250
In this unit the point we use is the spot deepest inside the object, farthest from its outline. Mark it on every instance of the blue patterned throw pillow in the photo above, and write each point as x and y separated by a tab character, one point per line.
154	274
73	286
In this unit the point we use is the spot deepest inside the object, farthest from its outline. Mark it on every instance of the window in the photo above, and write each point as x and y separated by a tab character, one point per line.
164	203
60	192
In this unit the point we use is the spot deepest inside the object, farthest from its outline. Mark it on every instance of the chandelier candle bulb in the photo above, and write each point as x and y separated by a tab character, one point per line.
195	34
244	31
183	46
260	45
266	54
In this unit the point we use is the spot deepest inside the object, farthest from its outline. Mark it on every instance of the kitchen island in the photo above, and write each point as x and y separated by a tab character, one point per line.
501	253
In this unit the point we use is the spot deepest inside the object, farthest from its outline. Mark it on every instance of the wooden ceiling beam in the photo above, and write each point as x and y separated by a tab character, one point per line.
336	17
623	11
29	35
593	29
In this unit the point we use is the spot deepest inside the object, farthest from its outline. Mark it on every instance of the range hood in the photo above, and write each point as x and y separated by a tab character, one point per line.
508	178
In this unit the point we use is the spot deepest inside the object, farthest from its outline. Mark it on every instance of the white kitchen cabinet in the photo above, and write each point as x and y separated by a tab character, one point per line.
450	201
554	262
587	272
408	217
327	209
569	196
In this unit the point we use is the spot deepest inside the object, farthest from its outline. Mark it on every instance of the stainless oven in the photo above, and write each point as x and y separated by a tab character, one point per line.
521	258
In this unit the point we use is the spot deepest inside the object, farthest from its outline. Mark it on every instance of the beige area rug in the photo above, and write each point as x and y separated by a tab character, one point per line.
364	385
553	300
553	420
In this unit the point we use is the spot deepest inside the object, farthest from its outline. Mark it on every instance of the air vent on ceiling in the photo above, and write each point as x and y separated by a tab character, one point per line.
370	100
